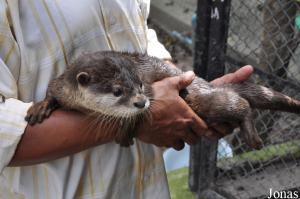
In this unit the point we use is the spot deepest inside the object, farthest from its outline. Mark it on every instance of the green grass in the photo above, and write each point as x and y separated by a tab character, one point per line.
284	150
178	182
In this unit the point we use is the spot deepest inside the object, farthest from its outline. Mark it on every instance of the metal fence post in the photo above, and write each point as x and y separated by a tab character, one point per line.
209	57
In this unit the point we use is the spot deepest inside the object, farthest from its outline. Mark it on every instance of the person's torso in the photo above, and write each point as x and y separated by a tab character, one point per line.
50	34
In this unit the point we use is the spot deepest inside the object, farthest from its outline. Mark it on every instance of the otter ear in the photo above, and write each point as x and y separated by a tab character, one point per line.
83	78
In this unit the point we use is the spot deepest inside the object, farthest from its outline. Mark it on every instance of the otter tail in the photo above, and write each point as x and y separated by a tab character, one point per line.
264	98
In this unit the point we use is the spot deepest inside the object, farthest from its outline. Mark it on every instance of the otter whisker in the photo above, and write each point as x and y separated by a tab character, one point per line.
148	116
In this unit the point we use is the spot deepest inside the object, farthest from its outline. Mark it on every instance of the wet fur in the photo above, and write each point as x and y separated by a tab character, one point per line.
229	103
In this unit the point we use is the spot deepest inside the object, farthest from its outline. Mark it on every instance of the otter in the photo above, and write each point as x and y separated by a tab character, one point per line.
118	85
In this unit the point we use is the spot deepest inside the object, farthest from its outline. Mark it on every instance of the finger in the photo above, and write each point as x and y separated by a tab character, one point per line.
198	125
223	129
190	137
240	75
178	145
213	134
183	80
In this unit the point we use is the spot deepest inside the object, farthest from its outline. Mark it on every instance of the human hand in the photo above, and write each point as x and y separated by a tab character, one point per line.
167	113
173	122
238	76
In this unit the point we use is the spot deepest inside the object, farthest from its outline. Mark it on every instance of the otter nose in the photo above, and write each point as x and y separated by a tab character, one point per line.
140	104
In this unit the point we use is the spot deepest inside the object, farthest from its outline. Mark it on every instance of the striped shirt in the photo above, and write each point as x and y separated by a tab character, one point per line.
38	38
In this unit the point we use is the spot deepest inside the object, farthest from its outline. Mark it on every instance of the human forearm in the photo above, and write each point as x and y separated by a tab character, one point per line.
62	134
65	133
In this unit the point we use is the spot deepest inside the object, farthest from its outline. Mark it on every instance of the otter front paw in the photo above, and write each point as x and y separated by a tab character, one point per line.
127	133
40	111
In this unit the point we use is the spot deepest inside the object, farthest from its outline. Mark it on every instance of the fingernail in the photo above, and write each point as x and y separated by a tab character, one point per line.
190	74
209	133
212	134
249	67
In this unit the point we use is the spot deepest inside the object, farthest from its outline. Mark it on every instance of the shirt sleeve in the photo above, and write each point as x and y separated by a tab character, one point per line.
154	47
12	127
12	114
12	110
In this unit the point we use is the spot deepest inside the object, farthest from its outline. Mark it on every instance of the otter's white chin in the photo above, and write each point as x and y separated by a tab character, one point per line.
147	104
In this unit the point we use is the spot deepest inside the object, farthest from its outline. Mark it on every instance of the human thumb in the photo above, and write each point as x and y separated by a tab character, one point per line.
185	79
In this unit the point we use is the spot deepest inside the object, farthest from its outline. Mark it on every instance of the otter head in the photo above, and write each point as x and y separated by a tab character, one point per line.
109	85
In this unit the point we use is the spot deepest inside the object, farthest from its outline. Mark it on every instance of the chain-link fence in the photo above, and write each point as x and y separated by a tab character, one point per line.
265	34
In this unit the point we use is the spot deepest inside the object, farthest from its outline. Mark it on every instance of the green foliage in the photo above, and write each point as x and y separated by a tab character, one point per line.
285	150
178	182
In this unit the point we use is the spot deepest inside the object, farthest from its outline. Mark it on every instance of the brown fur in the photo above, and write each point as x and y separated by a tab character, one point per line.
226	104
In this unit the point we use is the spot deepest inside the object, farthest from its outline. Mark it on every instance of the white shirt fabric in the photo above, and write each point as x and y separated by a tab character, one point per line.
49	34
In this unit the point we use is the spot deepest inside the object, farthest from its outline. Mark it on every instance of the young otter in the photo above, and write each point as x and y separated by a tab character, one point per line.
118	84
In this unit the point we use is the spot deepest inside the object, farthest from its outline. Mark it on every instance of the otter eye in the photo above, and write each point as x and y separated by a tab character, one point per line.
83	78
117	92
